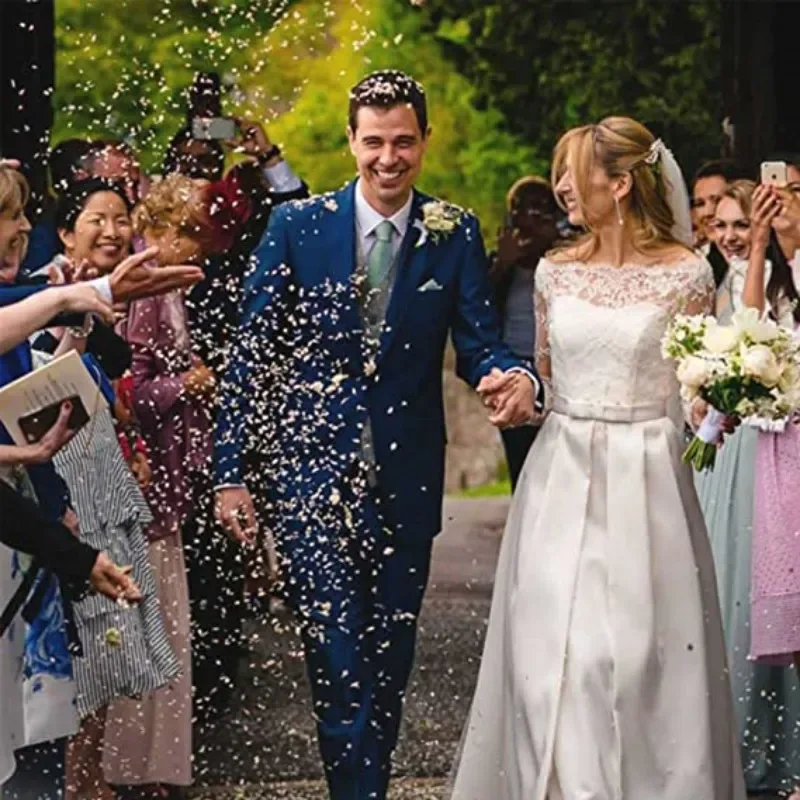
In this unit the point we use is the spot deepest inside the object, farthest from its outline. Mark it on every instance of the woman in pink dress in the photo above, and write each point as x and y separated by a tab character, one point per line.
148	743
775	592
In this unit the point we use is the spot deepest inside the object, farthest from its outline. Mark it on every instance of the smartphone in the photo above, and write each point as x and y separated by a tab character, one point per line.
774	173
36	424
213	128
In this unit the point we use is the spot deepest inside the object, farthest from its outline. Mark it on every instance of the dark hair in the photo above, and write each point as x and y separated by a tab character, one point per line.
73	201
388	89
65	158
790	159
184	135
531	191
724	168
781	283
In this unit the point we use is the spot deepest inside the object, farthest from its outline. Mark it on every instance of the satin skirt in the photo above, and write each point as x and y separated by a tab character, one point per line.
603	675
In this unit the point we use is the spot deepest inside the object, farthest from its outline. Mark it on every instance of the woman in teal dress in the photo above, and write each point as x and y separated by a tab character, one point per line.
767	698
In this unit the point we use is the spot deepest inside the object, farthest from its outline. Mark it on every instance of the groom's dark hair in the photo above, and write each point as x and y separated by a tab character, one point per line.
387	89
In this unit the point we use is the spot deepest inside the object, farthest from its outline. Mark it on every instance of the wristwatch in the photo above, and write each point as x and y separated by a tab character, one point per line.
265	158
84	331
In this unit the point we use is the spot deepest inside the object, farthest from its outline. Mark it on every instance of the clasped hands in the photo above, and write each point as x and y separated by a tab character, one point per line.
509	397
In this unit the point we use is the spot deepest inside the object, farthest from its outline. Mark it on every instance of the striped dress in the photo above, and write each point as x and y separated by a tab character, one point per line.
126	652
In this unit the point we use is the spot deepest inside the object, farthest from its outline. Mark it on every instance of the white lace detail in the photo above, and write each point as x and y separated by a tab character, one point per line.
599	328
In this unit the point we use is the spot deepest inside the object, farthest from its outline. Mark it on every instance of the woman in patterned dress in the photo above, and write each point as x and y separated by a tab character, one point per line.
775	596
125	651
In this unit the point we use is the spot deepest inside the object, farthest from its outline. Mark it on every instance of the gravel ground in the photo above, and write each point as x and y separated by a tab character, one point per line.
266	746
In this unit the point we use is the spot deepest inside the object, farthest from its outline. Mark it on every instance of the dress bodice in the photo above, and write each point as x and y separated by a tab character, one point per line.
599	330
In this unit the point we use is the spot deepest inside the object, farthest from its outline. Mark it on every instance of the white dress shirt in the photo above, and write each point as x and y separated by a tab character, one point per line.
281	178
367	219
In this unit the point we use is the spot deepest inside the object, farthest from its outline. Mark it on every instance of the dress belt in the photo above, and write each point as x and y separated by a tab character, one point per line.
609	413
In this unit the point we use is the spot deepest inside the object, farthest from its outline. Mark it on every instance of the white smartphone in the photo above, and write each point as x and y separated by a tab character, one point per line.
774	173
213	128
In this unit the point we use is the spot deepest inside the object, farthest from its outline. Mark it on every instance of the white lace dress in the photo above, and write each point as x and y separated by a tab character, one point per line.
603	675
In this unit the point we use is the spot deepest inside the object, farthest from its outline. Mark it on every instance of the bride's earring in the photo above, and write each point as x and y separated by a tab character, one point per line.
619	212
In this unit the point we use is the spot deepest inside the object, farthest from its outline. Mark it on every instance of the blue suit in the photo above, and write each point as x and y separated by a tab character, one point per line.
301	385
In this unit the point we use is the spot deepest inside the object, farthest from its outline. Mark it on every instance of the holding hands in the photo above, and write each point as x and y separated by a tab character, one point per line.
509	396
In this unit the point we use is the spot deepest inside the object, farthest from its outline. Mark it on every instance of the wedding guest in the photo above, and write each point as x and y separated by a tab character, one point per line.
529	232
730	228
173	397
96	231
258	186
775	571
49	711
53	545
710	181
769	742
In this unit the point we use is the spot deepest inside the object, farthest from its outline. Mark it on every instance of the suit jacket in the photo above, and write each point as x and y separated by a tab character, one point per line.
301	383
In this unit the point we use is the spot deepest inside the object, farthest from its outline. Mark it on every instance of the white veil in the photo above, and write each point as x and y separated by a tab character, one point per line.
677	194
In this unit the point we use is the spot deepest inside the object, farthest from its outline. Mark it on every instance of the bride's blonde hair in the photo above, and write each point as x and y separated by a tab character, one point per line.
618	145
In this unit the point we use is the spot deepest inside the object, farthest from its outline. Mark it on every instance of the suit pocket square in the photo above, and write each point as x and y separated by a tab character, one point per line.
431	286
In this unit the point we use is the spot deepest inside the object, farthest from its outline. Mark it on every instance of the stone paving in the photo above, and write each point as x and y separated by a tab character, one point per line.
265	748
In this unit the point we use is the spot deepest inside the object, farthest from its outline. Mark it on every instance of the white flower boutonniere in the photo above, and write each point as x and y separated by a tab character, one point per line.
439	220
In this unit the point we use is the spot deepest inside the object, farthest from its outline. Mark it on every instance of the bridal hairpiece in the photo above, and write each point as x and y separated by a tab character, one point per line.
655	152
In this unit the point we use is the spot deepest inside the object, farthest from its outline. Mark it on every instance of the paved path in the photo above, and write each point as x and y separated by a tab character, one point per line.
266	747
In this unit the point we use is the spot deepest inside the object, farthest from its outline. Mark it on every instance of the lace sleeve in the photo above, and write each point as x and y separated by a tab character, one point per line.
542	351
701	292
700	299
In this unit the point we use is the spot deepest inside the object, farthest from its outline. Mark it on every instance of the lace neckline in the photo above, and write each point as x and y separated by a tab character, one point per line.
630	266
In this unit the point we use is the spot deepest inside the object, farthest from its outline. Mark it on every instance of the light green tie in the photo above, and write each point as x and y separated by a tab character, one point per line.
380	257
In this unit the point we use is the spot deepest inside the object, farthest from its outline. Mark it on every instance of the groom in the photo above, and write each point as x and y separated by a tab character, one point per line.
335	388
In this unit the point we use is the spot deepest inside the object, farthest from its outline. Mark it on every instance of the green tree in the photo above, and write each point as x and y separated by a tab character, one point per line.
549	65
123	66
123	71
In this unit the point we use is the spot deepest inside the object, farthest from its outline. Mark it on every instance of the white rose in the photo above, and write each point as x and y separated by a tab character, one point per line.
788	380
693	372
720	338
749	322
759	362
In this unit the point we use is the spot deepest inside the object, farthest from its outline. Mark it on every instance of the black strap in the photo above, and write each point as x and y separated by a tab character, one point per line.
35	596
19	597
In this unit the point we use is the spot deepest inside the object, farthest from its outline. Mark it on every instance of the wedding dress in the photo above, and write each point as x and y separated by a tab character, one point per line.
603	675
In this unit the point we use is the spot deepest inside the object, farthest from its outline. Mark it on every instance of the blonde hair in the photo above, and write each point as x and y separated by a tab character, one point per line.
14	192
617	145
175	201
741	192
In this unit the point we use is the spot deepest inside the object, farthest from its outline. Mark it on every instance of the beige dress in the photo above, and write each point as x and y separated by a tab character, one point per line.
603	675
149	740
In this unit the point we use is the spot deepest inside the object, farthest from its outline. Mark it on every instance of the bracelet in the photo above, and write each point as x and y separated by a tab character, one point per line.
84	331
273	152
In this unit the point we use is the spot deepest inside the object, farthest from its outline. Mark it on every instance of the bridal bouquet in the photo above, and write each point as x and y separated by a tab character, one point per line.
750	368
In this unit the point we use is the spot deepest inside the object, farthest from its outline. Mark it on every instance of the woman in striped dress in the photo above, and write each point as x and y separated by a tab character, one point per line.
126	651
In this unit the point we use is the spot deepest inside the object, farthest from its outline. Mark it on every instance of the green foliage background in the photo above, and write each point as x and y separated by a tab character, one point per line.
504	79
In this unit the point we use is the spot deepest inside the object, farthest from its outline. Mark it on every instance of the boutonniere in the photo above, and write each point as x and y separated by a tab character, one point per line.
439	220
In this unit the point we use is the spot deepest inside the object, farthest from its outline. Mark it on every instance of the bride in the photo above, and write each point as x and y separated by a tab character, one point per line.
603	675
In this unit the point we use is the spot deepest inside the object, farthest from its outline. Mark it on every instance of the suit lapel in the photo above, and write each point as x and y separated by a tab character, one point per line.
411	266
342	261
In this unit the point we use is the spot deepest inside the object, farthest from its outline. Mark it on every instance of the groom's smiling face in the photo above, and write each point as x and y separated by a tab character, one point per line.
389	148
